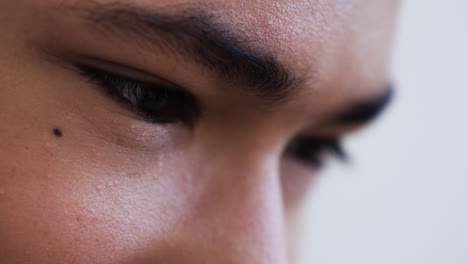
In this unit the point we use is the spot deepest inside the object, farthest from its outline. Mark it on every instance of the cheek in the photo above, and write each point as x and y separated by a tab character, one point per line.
51	210
78	198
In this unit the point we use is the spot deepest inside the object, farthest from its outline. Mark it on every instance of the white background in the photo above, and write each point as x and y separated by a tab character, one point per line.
404	198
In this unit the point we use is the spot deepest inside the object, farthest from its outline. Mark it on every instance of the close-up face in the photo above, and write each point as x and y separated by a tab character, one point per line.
167	131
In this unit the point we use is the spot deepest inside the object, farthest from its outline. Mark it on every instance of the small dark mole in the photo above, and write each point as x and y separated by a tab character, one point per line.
57	132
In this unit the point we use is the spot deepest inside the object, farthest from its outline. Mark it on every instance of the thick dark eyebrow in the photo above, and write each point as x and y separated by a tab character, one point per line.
367	110
196	34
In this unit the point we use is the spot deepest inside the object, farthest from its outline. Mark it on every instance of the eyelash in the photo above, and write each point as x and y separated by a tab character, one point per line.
160	104
151	102
311	151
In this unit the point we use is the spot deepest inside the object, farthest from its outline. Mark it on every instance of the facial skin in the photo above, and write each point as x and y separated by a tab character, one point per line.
83	179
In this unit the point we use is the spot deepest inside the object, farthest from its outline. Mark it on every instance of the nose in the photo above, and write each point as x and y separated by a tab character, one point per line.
237	216
240	215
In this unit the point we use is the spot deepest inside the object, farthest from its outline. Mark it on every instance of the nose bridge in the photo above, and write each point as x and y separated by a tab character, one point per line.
241	210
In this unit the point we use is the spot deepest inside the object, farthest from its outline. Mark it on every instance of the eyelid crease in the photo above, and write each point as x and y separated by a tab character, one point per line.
126	71
74	61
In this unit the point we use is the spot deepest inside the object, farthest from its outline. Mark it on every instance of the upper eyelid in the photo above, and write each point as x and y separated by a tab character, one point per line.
74	61
125	71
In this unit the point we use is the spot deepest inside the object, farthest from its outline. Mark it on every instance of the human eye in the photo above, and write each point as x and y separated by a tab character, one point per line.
153	102
313	152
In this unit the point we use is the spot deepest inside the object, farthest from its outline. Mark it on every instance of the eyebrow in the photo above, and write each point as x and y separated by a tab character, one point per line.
197	35
367	110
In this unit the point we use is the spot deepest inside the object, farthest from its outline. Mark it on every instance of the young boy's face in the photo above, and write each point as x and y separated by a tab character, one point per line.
162	131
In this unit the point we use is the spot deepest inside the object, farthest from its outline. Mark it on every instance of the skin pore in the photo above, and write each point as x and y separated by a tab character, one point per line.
177	131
